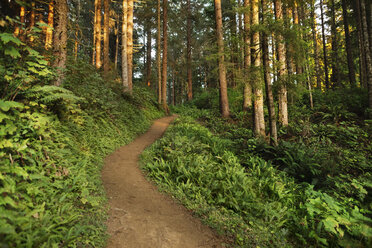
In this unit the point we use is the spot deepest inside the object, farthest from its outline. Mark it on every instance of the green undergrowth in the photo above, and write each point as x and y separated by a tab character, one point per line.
52	144
196	167
311	190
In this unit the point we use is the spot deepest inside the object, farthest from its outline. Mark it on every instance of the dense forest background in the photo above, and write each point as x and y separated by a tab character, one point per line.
272	147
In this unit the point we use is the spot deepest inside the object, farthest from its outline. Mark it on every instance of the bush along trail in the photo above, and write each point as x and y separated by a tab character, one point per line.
52	144
259	195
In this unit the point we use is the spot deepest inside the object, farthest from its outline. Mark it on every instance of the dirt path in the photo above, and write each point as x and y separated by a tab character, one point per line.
140	216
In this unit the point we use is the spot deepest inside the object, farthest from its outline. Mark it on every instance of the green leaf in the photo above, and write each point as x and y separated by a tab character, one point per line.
330	224
12	52
6	105
7	37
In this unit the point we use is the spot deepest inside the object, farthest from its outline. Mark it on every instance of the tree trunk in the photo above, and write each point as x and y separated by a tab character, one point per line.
158	53
315	44
362	56
117	41
247	94
350	61
282	70
224	101
32	20
130	45
98	34
324	46
148	55
368	53
259	121
76	42
49	30
60	40
165	56
335	60
267	79
106	38
189	72
124	54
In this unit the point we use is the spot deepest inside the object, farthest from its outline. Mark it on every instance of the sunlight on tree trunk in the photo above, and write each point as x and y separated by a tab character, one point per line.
247	93
130	45
49	30
106	37
98	34
60	40
224	101
282	70
189	72
124	57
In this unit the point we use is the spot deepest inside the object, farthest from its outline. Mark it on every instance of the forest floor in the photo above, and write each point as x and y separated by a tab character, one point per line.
139	215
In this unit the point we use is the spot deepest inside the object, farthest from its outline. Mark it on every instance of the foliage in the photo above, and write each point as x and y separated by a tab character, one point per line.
52	146
328	160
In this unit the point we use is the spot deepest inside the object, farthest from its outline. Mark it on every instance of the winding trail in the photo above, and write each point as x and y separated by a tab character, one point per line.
140	216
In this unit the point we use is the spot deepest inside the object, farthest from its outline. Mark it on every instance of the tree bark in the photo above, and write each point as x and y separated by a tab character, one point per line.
130	45
98	34
124	55
315	44
148	54
247	94
324	47
362	57
32	20
259	121
335	78
267	79
368	54
49	30
158	53
117	41
165	56
224	101
350	60
189	72
282	70
60	40
106	38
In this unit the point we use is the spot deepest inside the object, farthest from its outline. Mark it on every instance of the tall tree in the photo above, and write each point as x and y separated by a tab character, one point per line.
247	94
148	52
49	30
60	39
315	44
130	45
324	46
117	27
224	101
98	29
259	121
362	52
158	51
32	19
267	79
124	47
189	72
282	70
368	52
165	56
350	60
106	37
335	77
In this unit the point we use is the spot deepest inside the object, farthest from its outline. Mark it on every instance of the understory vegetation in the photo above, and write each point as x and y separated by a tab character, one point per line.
311	189
52	144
